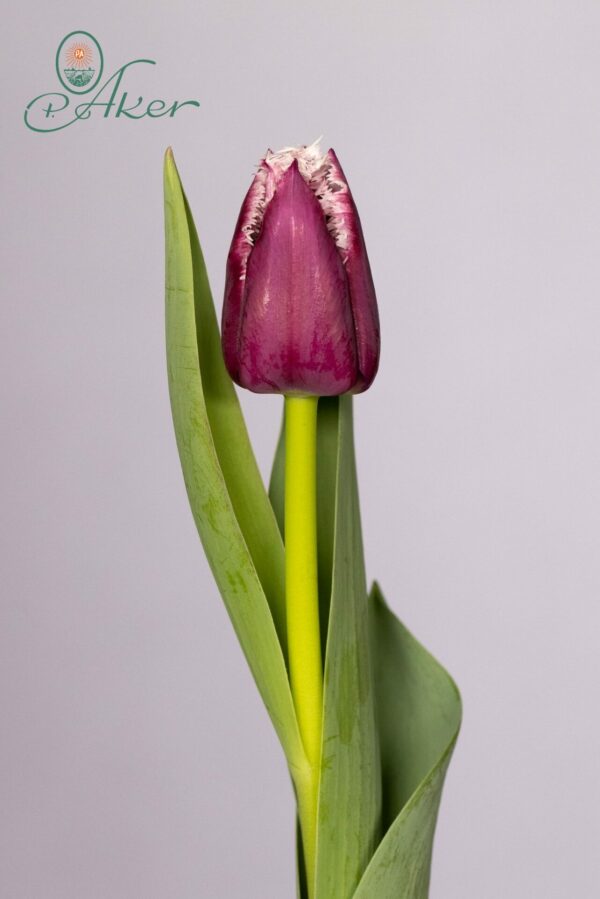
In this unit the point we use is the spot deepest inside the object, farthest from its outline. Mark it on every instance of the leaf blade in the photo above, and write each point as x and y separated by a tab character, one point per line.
349	800
419	714
350	788
230	507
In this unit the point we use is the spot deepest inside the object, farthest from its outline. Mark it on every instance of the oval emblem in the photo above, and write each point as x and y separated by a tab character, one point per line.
79	62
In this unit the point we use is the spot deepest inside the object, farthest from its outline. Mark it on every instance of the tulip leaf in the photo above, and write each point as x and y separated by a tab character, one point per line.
229	503
418	707
419	713
349	795
350	788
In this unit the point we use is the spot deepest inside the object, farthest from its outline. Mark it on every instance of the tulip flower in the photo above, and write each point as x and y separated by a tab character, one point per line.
300	313
300	318
368	730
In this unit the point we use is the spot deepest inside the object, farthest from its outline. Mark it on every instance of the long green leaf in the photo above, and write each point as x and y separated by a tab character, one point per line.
231	509
417	704
349	796
419	713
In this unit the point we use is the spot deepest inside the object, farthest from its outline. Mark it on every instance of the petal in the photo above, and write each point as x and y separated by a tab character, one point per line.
360	281
297	331
246	230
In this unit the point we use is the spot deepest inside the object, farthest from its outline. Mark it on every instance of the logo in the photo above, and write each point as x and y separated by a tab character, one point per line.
80	68
79	60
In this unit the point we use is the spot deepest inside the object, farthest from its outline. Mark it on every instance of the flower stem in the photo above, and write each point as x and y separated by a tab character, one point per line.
302	604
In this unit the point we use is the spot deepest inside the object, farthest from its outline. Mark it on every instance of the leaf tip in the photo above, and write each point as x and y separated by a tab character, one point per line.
170	168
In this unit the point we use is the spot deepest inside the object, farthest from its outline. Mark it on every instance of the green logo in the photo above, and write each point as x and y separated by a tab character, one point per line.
79	60
80	67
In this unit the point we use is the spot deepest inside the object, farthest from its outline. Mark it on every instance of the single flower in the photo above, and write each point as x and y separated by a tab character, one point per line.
300	313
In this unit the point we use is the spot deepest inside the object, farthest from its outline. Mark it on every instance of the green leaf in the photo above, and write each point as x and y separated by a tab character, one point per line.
418	706
419	713
229	503
350	788
276	484
349	797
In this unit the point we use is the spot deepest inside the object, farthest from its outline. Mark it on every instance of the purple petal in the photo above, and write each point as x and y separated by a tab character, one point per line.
297	331
360	281
246	230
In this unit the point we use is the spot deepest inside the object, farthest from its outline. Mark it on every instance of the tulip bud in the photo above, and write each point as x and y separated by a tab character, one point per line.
300	312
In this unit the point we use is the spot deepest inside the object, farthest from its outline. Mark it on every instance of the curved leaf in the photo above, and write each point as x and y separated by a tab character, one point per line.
231	509
419	713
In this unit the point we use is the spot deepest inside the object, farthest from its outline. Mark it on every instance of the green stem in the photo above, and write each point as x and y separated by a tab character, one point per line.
302	605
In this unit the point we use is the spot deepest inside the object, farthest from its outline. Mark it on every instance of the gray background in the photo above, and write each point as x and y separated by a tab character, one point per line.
136	759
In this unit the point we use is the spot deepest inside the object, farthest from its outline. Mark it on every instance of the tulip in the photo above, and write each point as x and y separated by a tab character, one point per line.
300	312
300	319
367	745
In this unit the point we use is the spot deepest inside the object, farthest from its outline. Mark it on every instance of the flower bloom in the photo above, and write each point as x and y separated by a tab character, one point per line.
300	313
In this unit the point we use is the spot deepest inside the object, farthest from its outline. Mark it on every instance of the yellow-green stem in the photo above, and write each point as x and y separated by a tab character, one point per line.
302	604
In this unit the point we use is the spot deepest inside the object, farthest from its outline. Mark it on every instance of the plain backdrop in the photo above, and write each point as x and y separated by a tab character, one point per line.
136	760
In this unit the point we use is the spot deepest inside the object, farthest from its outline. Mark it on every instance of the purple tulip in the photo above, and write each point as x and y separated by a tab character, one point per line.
300	312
